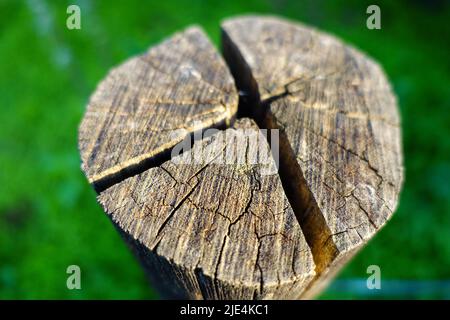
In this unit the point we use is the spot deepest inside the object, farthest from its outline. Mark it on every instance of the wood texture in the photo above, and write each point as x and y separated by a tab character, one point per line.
340	142
223	230
221	220
151	102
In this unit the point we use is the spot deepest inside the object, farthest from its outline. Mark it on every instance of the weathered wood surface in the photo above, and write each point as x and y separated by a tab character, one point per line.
341	146
238	229
222	225
151	102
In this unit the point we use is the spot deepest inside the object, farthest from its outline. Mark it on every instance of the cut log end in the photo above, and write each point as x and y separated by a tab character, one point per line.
147	105
227	225
340	140
225	219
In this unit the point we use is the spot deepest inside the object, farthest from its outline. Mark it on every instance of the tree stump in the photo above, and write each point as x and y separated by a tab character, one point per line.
230	216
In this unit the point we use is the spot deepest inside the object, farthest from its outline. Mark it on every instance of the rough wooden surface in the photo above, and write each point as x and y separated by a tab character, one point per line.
151	102
340	144
235	229
227	228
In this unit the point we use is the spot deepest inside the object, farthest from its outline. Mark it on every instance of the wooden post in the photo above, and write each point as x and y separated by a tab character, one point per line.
221	225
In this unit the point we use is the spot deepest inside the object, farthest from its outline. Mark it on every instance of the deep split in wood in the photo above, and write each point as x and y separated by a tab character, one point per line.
245	230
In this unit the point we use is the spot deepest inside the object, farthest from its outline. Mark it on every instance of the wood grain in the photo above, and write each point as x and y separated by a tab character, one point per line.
151	102
222	220
211	229
340	142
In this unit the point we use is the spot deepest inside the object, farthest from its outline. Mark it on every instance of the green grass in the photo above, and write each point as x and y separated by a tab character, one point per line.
49	218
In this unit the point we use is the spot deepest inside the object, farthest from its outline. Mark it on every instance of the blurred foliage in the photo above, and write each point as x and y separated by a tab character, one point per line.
49	218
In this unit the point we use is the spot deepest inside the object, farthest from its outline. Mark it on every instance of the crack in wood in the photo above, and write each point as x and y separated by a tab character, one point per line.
315	200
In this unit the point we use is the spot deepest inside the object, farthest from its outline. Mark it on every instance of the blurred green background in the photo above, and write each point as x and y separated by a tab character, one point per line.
49	218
